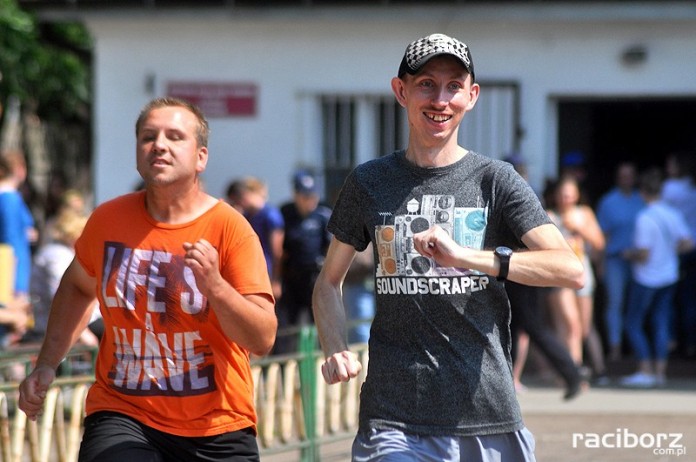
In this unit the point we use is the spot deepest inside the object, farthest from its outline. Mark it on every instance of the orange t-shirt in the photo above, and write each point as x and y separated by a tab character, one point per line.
164	359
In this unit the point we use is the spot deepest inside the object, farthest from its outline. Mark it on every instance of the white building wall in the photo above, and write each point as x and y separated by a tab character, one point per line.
291	55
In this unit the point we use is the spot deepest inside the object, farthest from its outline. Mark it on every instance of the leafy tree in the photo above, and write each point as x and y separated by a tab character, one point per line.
46	66
17	37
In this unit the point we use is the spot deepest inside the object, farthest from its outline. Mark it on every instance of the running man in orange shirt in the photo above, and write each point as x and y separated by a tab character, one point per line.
182	284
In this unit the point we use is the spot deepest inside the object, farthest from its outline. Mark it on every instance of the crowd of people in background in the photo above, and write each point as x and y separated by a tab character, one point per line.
638	250
636	242
39	252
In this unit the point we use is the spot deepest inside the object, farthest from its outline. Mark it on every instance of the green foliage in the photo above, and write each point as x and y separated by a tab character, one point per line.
17	33
44	65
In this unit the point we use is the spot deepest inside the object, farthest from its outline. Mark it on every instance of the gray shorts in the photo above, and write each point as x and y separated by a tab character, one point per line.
397	446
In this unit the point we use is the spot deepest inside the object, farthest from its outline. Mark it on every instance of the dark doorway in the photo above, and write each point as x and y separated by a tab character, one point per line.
607	132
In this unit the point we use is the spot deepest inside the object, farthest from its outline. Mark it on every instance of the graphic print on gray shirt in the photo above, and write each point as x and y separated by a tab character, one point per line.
440	339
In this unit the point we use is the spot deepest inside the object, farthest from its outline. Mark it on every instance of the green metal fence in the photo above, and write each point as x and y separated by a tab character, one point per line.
296	410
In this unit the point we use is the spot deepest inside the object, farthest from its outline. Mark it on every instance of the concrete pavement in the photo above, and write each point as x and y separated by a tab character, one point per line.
613	424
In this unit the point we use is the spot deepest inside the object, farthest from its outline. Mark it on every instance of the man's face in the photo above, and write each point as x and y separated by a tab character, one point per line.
252	201
167	149
567	194
306	203
626	177
436	98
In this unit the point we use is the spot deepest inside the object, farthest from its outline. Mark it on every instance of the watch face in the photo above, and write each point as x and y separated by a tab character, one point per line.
504	251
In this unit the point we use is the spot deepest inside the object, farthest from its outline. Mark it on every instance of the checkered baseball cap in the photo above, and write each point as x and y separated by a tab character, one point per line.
422	50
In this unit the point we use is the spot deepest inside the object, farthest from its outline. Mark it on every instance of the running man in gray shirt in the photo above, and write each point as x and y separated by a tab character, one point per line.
448	226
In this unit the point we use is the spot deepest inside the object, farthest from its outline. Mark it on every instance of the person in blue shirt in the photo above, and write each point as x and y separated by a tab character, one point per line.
249	195
304	248
17	231
16	221
616	212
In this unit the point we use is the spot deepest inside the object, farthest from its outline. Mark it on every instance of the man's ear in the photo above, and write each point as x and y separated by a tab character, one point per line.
202	159
399	90
474	92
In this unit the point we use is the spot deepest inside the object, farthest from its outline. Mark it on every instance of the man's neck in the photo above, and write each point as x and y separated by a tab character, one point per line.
435	156
177	207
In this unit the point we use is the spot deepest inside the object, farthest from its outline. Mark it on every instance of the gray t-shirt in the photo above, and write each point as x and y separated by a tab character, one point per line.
440	340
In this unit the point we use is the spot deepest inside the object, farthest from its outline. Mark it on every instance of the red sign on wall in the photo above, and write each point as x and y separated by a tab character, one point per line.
217	99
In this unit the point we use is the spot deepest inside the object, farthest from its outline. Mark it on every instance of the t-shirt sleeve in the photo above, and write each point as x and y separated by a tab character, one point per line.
275	219
243	264
522	210
645	232
346	222
84	246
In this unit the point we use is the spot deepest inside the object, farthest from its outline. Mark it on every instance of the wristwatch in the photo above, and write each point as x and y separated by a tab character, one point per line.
503	254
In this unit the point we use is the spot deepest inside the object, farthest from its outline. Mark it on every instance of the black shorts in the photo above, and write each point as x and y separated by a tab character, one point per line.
114	437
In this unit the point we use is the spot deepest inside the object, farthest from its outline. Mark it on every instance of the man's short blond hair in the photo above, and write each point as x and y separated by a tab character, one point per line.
203	130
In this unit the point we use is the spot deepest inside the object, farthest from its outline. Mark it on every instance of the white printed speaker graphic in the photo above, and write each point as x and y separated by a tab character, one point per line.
397	254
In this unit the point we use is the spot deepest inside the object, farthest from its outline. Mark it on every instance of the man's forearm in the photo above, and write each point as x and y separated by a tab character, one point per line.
69	316
544	268
547	268
248	320
329	317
